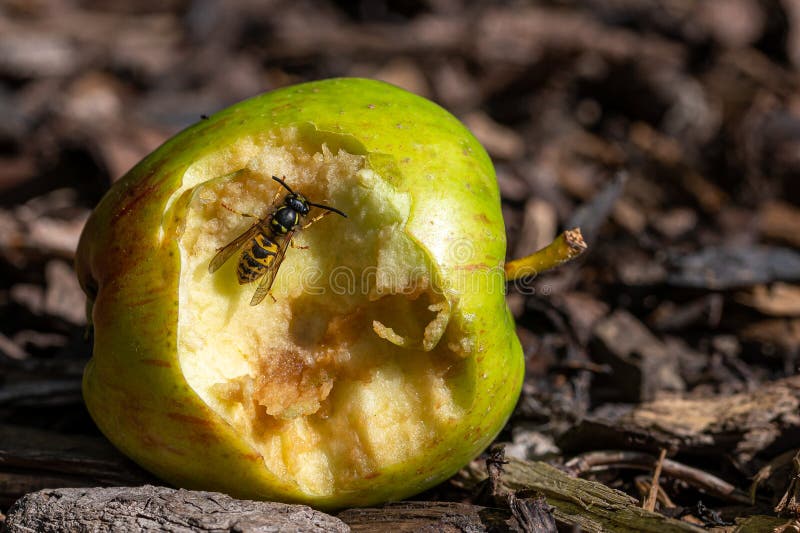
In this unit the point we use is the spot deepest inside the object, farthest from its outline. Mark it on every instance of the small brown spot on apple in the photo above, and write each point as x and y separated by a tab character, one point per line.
473	267
482	218
189	419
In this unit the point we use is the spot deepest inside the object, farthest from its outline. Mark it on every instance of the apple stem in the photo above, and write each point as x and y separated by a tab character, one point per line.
565	247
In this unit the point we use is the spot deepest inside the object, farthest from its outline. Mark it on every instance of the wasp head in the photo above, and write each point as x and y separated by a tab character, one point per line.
297	203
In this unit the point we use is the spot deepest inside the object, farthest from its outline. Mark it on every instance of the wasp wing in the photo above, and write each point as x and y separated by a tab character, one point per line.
232	247
266	282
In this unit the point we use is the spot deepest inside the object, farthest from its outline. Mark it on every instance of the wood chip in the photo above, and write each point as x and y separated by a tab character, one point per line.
729	267
670	316
591	216
778	299
780	221
404	73
583	310
11	349
774	332
732	23
641	365
629	215
63	296
499	141
676	222
539	226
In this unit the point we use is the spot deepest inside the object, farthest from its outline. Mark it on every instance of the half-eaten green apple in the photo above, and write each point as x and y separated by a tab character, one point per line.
384	357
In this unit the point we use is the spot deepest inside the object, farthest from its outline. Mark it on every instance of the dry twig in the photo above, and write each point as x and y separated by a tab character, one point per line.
650	502
604	460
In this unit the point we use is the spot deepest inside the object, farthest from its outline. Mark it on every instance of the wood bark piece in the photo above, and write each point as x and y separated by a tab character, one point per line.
778	299
150	508
761	524
780	220
429	517
588	505
745	424
533	514
784	333
32	459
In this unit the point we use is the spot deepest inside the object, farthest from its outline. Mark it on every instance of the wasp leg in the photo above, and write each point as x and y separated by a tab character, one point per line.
316	218
297	246
248	215
277	195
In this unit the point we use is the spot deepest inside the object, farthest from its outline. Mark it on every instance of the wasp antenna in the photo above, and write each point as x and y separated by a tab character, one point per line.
276	178
329	208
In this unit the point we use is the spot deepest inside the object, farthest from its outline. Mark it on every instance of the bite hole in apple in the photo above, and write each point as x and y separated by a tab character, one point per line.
350	346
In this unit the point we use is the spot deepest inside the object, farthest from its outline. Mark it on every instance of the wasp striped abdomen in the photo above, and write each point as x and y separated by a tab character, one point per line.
256	259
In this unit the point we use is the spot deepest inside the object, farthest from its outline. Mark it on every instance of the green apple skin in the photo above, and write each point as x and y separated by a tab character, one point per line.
133	385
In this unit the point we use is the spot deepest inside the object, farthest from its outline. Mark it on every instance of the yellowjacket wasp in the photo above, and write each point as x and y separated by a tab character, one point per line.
264	243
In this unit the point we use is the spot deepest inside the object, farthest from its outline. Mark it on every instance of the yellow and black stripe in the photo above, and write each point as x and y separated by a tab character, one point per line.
257	258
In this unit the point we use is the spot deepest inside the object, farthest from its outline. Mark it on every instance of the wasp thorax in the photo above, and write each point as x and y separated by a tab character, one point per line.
285	219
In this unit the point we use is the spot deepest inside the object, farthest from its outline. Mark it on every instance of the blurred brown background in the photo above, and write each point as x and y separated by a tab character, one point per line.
669	130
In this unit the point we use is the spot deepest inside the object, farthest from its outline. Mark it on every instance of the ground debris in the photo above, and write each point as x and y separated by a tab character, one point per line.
532	513
790	502
429	517
668	130
641	365
734	267
779	299
743	425
151	508
580	503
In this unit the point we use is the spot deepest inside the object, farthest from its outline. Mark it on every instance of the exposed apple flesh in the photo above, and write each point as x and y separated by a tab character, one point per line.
343	374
